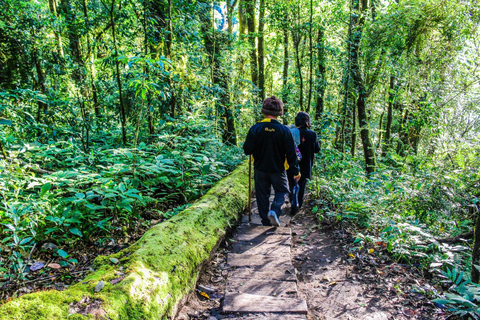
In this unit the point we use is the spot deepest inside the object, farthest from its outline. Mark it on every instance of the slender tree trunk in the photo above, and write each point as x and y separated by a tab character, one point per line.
215	43
119	81
285	68
310	41
321	77
354	132
250	14
172	101
53	8
296	36
261	54
476	247
380	130
242	19
388	129
42	106
146	13
403	136
368	148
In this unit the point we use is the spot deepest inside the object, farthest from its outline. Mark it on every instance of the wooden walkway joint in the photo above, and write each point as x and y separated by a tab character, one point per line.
262	281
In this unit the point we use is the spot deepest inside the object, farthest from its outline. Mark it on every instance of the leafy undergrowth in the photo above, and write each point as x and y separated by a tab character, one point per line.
61	207
417	213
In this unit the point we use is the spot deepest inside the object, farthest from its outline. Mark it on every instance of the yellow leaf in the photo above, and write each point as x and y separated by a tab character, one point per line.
351	255
442	230
203	294
370	251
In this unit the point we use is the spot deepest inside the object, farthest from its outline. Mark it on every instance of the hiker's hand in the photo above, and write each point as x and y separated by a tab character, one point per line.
297	178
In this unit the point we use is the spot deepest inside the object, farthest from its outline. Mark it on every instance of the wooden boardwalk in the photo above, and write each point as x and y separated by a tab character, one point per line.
261	283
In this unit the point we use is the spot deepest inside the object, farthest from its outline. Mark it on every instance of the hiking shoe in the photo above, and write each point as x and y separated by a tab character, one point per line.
272	216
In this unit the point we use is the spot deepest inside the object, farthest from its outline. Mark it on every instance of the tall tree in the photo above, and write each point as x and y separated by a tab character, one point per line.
362	94
250	14
261	53
321	73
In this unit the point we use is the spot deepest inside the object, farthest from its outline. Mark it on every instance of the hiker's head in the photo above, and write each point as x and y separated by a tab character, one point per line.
272	107
302	120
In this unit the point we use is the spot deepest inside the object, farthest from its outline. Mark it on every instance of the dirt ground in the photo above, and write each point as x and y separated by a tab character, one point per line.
336	281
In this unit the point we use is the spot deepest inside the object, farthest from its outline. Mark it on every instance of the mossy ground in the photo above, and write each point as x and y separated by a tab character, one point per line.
160	268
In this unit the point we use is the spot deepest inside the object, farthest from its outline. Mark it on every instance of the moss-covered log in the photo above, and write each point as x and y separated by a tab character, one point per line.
159	269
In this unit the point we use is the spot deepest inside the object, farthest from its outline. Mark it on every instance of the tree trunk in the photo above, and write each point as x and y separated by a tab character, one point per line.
261	54
368	148
119	81
403	135
321	77
74	42
215	43
353	149
285	68
242	19
42	106
388	129
476	248
310	36
250	14
172	101
53	8
380	130
297	37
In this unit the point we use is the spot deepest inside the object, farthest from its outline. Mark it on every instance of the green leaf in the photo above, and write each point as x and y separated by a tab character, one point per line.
80	195
62	253
5	122
25	241
45	188
77	232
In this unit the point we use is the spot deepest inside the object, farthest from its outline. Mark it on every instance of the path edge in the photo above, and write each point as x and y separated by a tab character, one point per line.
161	268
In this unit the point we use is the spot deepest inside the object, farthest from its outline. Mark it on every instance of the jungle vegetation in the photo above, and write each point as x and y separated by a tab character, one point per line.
117	113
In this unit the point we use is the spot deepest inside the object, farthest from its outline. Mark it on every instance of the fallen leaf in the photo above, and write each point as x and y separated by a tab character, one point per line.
117	280
54	265
37	266
371	251
114	260
351	255
332	283
99	286
50	246
203	294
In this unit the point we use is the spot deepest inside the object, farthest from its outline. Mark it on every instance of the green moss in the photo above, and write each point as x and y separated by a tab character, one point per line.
160	268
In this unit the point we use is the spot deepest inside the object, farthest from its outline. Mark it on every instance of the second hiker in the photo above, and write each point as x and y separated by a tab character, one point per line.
273	150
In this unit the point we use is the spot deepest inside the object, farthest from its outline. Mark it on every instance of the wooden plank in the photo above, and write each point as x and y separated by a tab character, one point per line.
268	240
273	250
263	287
269	316
246	303
248	232
240	260
282	274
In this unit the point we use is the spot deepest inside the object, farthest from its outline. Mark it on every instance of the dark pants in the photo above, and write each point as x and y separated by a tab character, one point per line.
263	183
301	184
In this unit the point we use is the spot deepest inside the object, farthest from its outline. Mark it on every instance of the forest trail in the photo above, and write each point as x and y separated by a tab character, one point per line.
262	278
304	266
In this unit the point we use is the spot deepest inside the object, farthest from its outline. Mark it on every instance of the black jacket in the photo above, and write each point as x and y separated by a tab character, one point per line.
271	143
308	146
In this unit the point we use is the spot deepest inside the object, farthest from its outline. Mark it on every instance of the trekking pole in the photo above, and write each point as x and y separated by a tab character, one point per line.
250	189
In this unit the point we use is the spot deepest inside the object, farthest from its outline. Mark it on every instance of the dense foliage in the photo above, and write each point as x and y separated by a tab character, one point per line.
114	112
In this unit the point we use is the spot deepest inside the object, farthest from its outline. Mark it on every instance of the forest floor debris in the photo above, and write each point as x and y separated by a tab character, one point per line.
338	280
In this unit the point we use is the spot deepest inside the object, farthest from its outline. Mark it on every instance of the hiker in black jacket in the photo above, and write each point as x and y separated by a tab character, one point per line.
308	146
271	144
